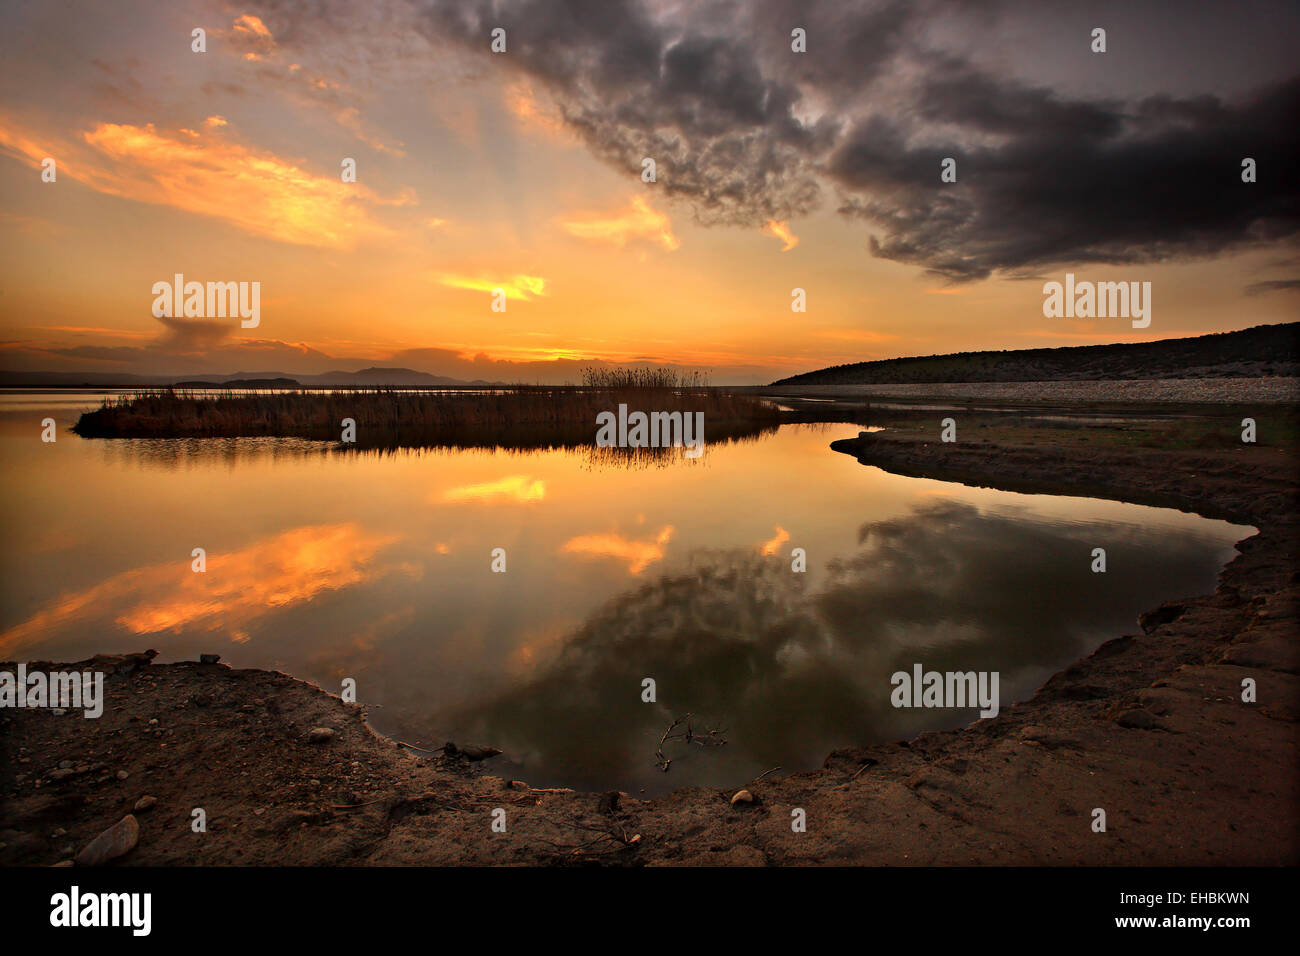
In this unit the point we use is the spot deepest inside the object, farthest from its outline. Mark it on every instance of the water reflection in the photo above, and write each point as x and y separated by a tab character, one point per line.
637	554
236	588
377	565
792	672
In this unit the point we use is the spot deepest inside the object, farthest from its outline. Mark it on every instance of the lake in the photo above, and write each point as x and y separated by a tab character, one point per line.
330	564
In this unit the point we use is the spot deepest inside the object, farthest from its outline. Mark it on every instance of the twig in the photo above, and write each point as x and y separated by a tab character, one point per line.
709	739
869	763
764	774
403	743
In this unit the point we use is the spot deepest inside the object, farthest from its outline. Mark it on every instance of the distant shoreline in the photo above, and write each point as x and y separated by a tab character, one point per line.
1272	389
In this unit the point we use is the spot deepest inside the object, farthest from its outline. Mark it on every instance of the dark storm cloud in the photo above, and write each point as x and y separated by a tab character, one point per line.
1049	171
1072	182
693	95
747	131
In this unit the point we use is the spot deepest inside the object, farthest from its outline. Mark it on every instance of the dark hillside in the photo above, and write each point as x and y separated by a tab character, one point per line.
1260	351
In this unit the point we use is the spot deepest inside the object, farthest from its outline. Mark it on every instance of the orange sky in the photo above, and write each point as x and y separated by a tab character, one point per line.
225	166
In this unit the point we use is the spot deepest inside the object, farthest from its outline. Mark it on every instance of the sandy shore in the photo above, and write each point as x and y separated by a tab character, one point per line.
1150	728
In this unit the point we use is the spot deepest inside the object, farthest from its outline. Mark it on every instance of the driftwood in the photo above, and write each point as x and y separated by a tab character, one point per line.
710	738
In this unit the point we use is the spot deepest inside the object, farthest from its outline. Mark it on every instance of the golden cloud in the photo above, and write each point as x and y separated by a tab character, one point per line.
640	221
252	26
520	287
210	176
779	229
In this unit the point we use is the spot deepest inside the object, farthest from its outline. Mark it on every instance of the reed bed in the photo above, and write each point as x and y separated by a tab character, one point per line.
518	414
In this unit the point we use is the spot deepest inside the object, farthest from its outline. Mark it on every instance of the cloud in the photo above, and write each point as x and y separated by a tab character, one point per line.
193	335
748	133
1273	285
254	190
639	221
1044	181
780	230
252	27
520	288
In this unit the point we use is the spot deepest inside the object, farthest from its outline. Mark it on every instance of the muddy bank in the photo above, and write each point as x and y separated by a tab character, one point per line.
1150	728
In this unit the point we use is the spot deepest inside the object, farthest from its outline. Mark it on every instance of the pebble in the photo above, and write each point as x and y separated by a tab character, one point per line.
122	775
742	796
145	803
320	735
209	658
117	840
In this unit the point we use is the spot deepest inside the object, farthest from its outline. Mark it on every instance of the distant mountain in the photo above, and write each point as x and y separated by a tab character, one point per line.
375	376
1260	351
242	383
367	377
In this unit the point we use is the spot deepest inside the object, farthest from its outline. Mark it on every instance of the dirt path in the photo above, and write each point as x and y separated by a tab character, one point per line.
1150	728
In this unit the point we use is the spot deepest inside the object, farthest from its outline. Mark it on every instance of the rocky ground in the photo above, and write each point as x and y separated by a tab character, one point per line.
1151	728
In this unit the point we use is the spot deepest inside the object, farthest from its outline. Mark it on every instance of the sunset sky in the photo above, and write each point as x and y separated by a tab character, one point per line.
522	170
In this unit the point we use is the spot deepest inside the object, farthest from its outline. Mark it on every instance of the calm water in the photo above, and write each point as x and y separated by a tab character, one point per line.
329	564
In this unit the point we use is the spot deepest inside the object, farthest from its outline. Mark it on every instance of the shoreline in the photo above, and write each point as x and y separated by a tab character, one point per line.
1149	727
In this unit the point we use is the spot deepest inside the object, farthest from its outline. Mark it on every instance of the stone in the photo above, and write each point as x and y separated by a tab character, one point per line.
118	840
742	796
320	735
145	803
469	751
209	658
